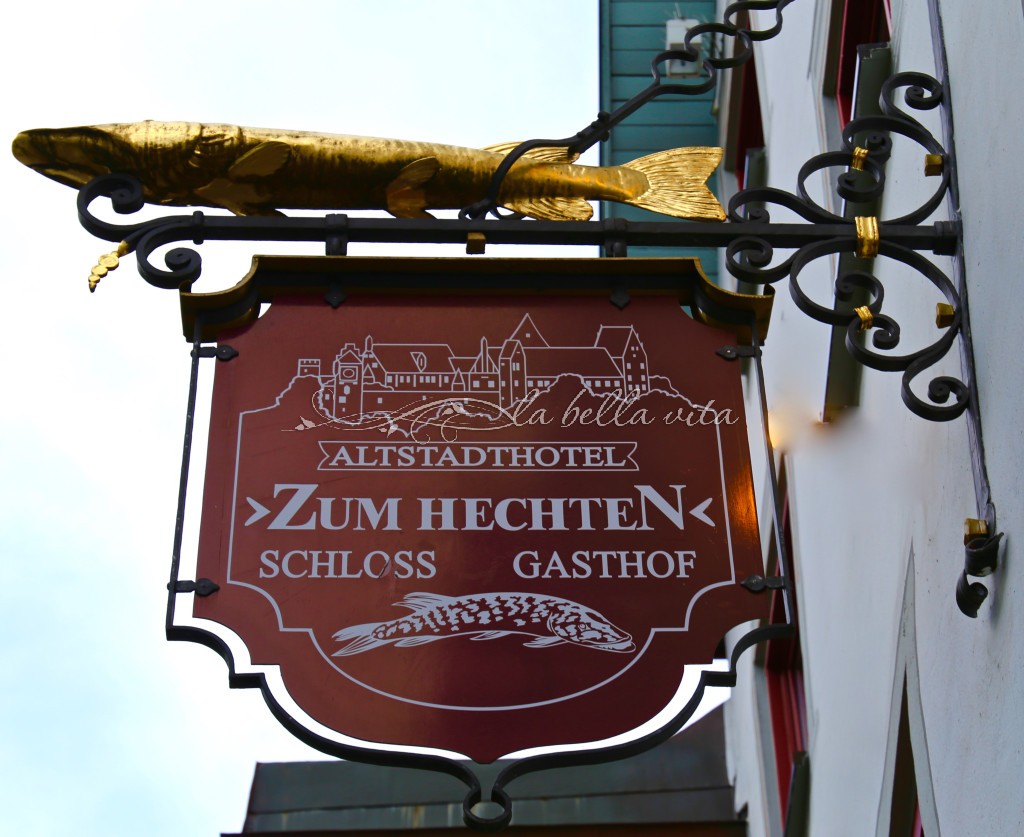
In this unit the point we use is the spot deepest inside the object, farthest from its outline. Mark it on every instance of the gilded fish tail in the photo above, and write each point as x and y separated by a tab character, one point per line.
677	179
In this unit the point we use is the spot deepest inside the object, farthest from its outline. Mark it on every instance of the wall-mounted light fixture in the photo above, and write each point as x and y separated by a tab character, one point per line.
675	34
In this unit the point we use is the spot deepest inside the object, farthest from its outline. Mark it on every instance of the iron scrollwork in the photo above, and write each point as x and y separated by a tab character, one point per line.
749	258
750	237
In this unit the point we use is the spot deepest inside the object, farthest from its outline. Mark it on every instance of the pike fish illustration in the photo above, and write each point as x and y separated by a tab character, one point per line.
257	171
551	620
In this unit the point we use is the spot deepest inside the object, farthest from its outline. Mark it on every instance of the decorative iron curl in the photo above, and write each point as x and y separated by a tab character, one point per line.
924	92
736	9
183	264
749	259
867	184
126	196
981	558
852	186
885	331
746	205
929	144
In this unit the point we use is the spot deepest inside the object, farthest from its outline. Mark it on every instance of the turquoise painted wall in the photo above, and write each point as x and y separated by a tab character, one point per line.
632	32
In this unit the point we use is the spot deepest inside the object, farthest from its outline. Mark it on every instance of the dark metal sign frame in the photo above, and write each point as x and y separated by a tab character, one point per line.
335	280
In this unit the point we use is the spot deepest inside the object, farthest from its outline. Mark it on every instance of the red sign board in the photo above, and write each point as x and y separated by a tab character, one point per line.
481	524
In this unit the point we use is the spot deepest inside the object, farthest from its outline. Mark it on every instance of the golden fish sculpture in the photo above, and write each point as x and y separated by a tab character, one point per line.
257	171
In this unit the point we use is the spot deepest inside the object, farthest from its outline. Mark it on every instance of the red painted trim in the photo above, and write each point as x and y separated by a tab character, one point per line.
749	130
784	675
864	22
918	829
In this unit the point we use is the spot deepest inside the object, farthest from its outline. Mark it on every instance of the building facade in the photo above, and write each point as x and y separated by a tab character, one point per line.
632	33
892	712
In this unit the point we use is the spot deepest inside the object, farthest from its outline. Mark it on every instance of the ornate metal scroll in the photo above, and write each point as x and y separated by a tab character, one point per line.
748	257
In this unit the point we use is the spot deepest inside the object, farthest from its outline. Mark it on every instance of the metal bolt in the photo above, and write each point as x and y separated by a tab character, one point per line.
867	319
944	315
867	236
933	164
476	244
974	528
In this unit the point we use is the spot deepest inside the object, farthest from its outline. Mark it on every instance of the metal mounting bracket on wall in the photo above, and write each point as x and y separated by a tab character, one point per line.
750	239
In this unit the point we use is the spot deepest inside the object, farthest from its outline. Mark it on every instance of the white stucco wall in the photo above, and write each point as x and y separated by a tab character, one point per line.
972	678
880	483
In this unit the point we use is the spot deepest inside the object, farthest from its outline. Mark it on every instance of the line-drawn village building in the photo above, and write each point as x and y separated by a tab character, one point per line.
392	376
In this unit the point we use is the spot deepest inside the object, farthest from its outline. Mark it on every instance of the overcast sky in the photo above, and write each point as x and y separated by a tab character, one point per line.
107	728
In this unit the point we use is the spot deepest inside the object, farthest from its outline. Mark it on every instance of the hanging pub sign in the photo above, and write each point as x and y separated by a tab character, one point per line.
458	512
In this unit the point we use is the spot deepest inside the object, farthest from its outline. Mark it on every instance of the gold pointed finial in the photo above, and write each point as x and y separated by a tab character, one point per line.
107	262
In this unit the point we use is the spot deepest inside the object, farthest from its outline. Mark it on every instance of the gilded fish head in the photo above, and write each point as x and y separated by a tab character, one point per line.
74	156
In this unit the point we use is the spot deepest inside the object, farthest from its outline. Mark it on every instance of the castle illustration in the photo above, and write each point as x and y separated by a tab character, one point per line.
393	376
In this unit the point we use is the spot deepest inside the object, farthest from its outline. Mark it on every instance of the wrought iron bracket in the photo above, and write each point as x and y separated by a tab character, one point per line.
223	352
758	583
981	558
734	352
201	587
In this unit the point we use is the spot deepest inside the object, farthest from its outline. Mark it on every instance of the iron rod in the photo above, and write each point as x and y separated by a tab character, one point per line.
186	458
